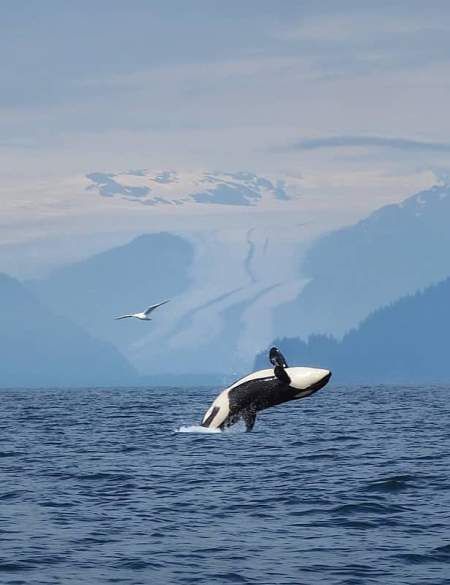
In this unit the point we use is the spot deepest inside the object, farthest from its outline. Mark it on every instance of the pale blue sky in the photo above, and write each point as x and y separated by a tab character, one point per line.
352	96
71	67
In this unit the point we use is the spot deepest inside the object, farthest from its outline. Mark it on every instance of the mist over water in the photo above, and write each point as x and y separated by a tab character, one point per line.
348	487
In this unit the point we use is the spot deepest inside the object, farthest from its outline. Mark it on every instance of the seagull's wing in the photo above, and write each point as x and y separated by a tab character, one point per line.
124	317
153	307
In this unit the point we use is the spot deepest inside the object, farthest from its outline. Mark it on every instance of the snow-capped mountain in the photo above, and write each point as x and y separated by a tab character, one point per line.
245	263
396	250
180	188
237	279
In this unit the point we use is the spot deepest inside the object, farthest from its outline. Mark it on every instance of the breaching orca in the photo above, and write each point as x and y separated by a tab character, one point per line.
262	389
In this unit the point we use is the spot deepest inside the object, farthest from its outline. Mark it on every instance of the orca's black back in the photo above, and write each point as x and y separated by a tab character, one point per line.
259	394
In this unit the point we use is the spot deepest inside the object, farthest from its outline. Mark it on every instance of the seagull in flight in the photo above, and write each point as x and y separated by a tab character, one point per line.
144	316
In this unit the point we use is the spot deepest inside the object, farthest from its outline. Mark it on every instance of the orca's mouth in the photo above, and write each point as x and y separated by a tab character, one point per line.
321	383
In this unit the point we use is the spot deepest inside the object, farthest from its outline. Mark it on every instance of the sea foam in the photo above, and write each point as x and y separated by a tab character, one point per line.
196	429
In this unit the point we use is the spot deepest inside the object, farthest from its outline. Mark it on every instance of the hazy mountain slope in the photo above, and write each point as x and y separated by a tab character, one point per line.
245	253
38	348
223	284
125	279
220	321
396	250
236	286
408	341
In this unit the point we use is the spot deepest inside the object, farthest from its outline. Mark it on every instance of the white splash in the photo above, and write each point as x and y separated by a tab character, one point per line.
196	429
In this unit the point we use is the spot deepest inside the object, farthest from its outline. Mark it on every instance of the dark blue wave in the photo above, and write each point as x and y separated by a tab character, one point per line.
345	488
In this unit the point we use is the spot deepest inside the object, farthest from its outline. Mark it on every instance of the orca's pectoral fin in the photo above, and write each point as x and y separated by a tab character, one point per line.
208	420
281	374
277	358
249	418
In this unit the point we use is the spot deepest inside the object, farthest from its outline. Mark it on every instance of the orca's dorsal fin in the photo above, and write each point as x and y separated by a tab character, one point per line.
281	374
277	360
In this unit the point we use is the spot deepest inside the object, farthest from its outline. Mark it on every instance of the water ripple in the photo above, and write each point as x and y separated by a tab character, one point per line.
122	486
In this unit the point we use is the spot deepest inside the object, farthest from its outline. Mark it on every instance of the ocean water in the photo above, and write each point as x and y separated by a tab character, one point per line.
350	486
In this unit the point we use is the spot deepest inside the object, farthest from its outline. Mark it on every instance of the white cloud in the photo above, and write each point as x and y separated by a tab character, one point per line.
317	71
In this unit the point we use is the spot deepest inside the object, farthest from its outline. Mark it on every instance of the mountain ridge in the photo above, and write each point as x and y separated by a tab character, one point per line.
40	348
407	341
396	250
127	278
